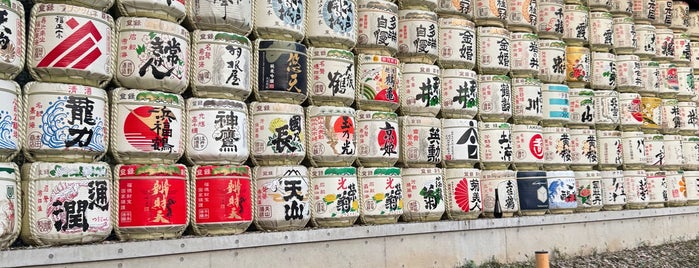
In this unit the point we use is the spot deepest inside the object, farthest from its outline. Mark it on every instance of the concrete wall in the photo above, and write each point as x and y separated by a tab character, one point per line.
436	244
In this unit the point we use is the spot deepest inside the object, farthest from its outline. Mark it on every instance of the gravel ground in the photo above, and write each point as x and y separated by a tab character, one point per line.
675	255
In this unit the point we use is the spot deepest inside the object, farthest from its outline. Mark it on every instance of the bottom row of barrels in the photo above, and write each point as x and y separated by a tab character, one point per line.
70	203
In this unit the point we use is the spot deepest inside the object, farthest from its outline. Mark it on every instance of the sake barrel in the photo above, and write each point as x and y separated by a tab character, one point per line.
577	66
628	73
589	190
525	55
500	193
607	109
683	52
281	20
420	141
650	78
688	115
610	152
173	11
533	193
490	13
424	194
576	29
527	100
417	36
652	114
12	51
221	65
333	77
522	16
550	19
494	51
65	122
457	43
222	199
220	16
693	25
552	60
459	93
66	203
462	195
381	195
494	98
218	132
625	41
674	159
645	46
613	190
60	55
601	31
420	91
657	188
556	106
655	151
378	27
377	138
622	7
680	16
280	71
685	82
631	117
448	8
335	196
582	108
636	187
331	23
583	149
664	45
283	198
634	150
378	78
690	152
331	136
604	70
663	13
692	184
146	126
10	203
277	133
152	54
528	147
460	146
12	120
495	144
562	191
644	11
557	153
672	120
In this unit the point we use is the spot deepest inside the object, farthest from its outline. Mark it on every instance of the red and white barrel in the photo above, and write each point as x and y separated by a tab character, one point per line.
60	55
582	108
528	147
146	126
657	188
562	192
284	20
221	65
460	146
577	24
459	93
417	36
218	16
12	204
66	122
495	145
173	11
283	198
449	8
494	98
652	114
634	150
674	159
420	141
381	195
644	11
610	150
490	13
335	196
13	50
607	110
669	81
636	187
331	136
378	78
685	82
672	119
663	13
590	193
494	50
277	134
12	116
676	188
550	19
288	84
655	151
629	73
556	105
604	71
331	23
377	25
552	61
683	51
218	132
622	8
525	55
692	186
424	194
631	117
152	54
500	193
680	16
690	152
578	66
645	45
557	153
601	31
664	45
463	193
527	100
222	199
650	78
153	201
66	203
613	190
457	43
377	138
688	114
333	73
522	16
624	36
583	149
420	91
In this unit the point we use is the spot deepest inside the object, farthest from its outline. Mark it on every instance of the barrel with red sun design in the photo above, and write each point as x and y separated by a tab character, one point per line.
462	193
331	136
377	138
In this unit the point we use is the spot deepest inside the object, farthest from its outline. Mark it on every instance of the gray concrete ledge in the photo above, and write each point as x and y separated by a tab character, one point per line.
509	239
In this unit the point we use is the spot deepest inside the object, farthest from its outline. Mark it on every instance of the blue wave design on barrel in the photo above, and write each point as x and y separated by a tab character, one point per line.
97	137
6	131
55	131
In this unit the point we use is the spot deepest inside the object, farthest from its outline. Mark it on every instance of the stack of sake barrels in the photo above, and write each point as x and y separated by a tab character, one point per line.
690	142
